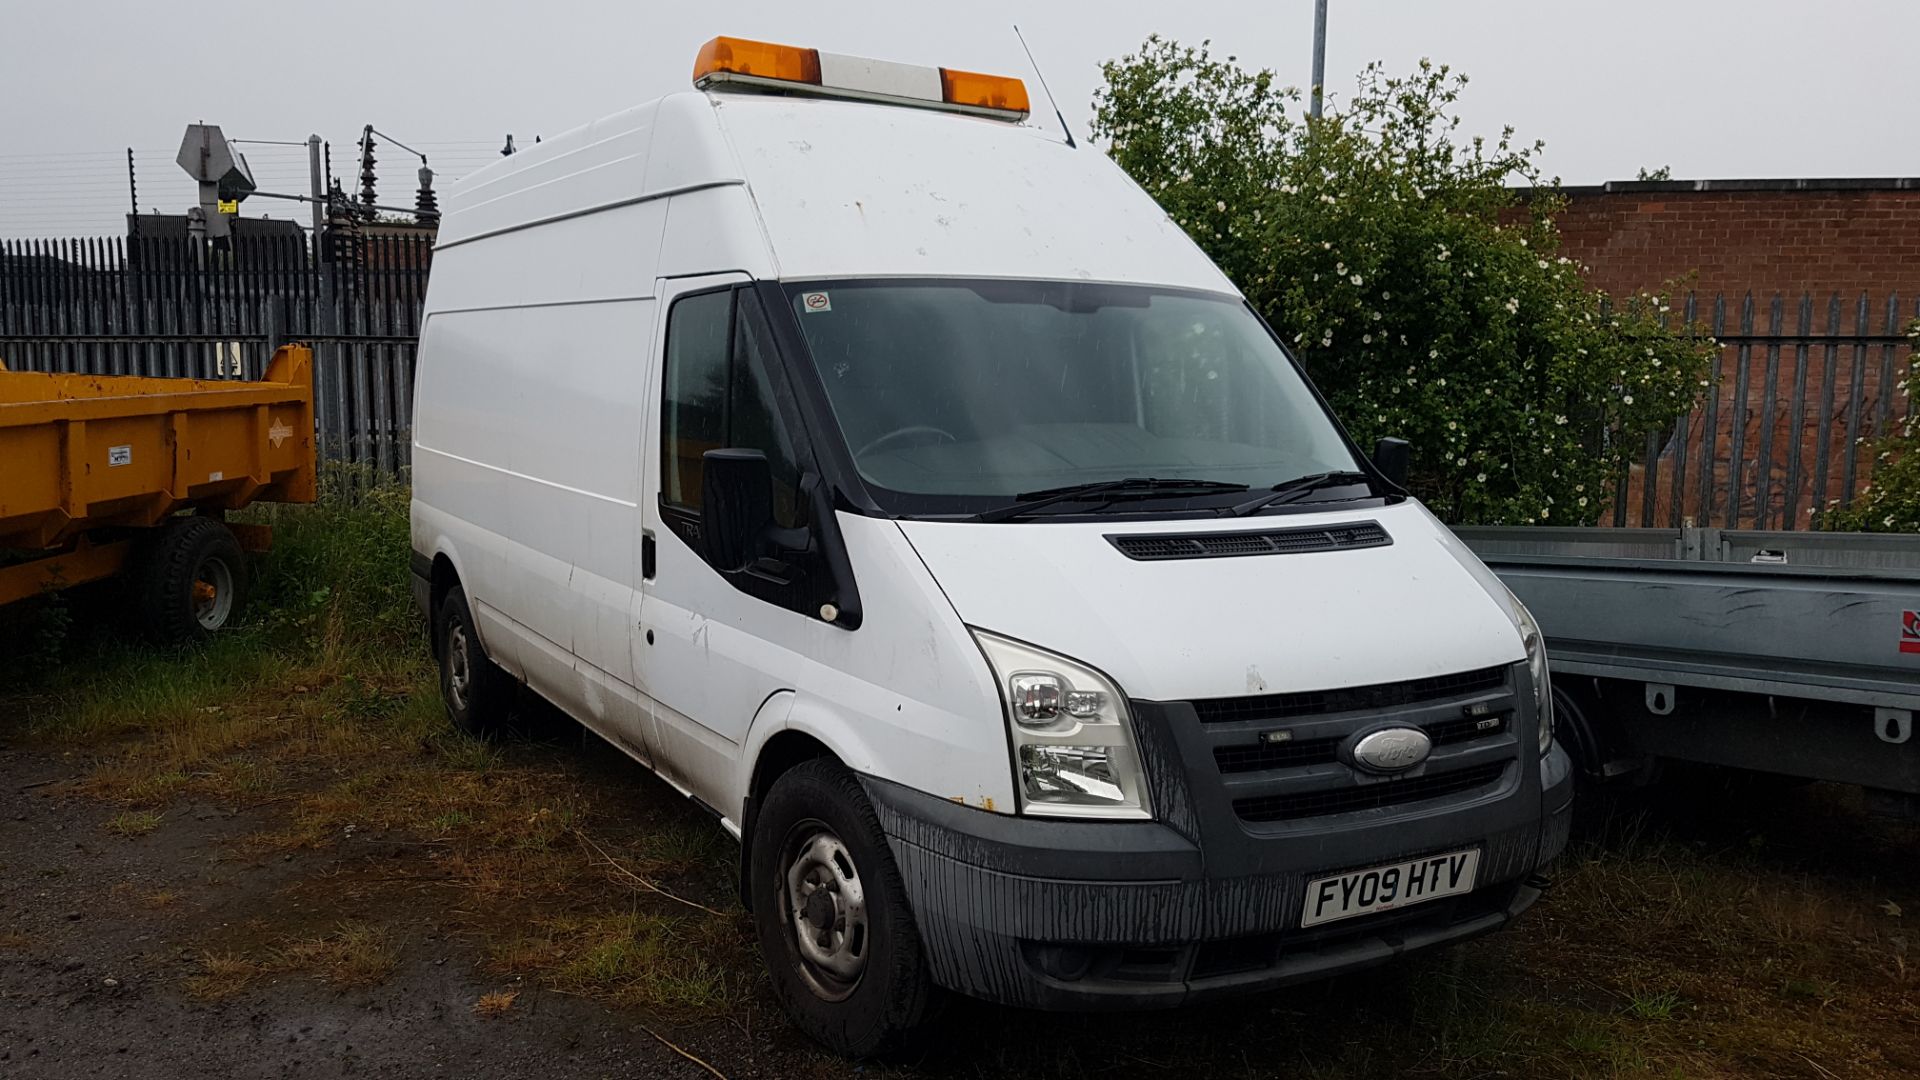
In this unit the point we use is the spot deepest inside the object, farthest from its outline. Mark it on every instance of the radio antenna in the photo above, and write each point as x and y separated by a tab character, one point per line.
1064	129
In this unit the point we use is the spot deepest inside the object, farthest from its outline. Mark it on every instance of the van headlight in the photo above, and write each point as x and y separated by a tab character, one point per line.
1537	668
1073	745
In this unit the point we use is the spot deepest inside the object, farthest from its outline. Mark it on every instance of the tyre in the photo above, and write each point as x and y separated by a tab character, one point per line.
476	692
832	915
189	580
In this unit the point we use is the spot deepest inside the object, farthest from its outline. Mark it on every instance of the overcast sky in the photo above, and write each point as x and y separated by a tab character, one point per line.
1713	88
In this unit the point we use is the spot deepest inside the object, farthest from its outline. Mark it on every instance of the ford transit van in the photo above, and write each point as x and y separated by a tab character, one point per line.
896	480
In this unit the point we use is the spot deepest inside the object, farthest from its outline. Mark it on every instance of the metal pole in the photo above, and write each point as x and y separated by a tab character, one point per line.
319	193
1319	53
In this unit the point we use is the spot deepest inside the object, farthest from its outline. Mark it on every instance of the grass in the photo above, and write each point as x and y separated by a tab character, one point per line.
1671	946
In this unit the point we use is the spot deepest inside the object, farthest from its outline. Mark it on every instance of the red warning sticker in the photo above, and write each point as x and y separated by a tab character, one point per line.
1910	631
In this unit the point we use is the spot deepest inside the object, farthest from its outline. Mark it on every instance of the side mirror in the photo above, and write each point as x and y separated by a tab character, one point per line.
736	507
1392	457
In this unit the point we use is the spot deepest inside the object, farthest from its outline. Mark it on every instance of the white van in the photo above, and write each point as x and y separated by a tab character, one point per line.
895	479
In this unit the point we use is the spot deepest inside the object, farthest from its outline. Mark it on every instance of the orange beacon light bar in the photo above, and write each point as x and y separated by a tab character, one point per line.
729	62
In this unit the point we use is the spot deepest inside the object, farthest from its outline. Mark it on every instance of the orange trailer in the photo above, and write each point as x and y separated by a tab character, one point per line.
108	474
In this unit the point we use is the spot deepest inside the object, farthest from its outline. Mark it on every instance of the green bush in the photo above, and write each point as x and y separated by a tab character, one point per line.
1891	503
345	558
1425	297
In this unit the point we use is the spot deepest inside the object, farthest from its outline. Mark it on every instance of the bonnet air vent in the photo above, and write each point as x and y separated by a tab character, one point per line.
1152	547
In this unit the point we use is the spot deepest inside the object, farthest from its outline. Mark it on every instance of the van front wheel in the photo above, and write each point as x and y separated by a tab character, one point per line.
832	915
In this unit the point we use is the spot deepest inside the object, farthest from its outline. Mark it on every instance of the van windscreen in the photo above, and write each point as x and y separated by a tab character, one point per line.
952	394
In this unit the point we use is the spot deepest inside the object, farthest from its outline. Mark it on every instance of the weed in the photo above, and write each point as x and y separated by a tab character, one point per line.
1653	1006
357	954
495	1003
131	823
222	975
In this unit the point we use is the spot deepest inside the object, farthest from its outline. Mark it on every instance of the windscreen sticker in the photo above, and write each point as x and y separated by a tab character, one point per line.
1910	631
816	301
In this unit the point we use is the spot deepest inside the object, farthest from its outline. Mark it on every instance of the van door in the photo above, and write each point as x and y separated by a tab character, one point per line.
707	652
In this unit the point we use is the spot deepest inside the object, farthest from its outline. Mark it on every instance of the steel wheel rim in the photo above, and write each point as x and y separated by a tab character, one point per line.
212	594
459	666
824	906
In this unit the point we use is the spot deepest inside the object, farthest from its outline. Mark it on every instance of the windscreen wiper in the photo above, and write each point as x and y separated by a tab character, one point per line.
1298	488
1133	487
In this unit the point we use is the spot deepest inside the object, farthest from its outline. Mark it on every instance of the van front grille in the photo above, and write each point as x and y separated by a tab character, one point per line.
1349	699
1254	758
1369	796
1277	757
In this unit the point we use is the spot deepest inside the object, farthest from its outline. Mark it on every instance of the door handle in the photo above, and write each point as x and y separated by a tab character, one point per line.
649	556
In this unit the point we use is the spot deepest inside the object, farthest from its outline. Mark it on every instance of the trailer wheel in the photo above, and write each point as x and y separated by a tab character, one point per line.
832	914
189	581
476	692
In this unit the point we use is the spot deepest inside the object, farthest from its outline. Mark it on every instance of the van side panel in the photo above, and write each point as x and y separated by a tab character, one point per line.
547	331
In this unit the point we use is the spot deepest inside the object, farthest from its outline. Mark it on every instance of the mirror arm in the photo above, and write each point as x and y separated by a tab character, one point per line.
833	551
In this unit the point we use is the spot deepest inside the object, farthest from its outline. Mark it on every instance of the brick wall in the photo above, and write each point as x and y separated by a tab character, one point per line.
1790	236
1767	237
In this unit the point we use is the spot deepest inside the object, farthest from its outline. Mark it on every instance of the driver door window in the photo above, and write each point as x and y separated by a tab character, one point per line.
718	395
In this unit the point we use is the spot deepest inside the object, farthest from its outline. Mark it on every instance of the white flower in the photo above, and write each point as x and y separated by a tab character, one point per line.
1443	382
1628	399
1444	253
1543	264
1219	204
1433	354
1355	279
1452	425
1583	500
1544	513
1325	198
1513	305
1340	268
1366	339
1481	479
1185	176
1560	420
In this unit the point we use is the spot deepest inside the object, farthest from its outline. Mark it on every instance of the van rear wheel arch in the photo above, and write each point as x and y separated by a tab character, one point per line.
443	579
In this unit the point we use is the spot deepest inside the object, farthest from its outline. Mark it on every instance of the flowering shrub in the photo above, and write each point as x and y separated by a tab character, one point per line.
1891	503
1426	299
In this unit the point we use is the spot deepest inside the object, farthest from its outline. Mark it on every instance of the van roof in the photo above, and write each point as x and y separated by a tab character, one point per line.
852	189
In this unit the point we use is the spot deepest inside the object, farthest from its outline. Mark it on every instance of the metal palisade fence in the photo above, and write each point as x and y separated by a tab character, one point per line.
1800	389
1798	394
157	307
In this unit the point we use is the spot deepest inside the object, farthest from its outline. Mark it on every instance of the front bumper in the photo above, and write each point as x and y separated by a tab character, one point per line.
1109	915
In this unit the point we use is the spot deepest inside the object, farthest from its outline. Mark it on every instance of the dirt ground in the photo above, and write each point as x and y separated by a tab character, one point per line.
99	934
106	941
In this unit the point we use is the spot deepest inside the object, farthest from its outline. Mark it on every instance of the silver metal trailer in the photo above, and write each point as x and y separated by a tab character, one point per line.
1791	653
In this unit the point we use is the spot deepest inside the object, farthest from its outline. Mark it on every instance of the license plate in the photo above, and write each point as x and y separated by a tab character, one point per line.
1389	888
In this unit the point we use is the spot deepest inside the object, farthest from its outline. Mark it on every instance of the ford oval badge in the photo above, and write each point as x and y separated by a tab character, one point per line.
1392	750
